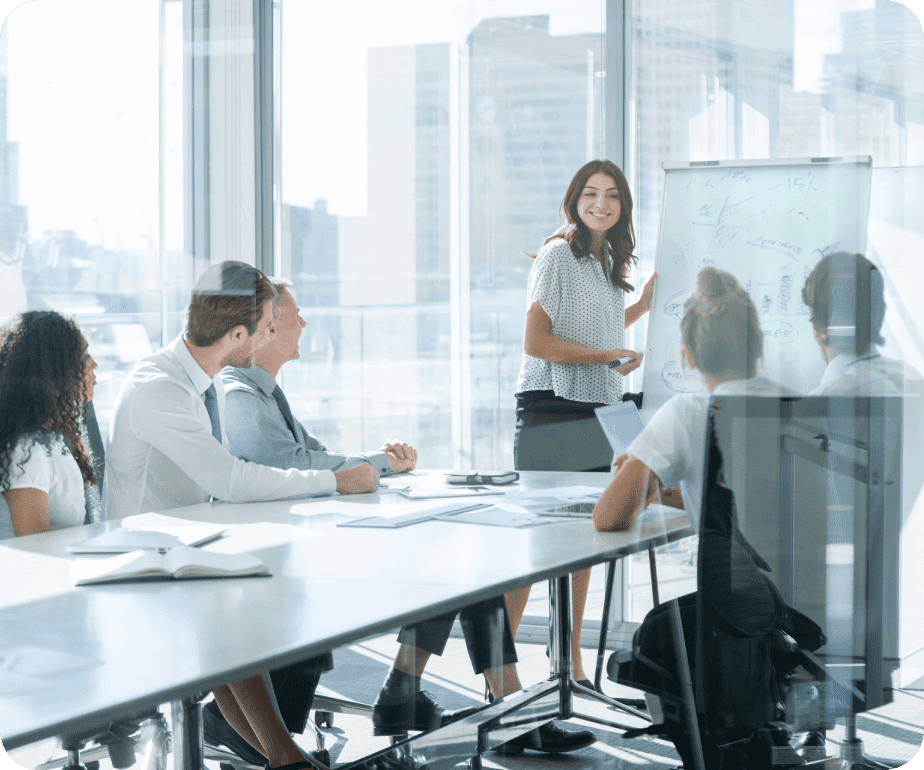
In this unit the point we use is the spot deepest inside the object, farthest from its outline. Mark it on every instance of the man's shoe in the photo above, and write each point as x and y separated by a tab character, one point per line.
217	732
549	738
421	714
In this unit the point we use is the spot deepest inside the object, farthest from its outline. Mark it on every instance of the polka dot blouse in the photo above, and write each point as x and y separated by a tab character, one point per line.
585	309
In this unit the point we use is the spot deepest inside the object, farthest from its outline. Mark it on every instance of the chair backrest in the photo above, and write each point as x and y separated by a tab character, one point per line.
816	483
92	437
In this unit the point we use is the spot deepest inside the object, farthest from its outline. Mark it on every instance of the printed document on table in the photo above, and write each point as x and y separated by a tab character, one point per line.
500	514
555	497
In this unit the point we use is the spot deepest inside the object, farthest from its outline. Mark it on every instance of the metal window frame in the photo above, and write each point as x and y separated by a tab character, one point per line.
617	138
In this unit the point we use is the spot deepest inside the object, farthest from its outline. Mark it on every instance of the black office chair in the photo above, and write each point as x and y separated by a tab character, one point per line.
781	460
716	659
854	445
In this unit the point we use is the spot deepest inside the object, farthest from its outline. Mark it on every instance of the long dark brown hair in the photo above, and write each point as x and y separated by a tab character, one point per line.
42	368
620	237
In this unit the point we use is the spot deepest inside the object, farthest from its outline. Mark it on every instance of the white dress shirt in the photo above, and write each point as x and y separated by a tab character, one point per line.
673	443
869	374
162	453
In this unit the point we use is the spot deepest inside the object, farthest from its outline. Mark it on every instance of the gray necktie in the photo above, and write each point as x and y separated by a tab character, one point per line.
211	406
286	411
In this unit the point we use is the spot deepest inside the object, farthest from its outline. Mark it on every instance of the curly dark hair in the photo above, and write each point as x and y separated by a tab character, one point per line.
620	237
42	367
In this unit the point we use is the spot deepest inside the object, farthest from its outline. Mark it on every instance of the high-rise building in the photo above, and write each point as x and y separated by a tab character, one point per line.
534	109
875	81
709	80
311	249
13	217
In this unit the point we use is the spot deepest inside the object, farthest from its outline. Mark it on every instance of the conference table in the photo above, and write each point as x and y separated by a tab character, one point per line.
104	652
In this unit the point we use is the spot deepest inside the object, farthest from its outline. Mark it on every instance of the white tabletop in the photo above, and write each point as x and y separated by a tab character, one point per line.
143	644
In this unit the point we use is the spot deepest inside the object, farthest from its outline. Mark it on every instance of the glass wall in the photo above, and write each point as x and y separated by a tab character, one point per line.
734	80
422	152
91	202
415	180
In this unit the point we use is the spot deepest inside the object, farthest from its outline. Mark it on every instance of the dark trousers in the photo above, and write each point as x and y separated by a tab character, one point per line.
294	687
485	625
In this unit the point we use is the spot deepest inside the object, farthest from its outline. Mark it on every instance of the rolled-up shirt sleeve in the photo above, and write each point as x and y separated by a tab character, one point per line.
162	414
544	284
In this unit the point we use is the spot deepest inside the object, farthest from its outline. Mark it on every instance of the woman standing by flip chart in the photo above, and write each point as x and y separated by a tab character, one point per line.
573	355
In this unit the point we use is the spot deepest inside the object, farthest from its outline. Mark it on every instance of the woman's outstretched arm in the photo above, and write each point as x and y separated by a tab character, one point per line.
539	342
629	491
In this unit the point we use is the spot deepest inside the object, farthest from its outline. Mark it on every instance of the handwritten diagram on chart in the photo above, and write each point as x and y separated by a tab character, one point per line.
767	223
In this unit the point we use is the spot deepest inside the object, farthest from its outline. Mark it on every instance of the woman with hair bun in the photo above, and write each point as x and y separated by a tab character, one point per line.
575	321
723	341
46	375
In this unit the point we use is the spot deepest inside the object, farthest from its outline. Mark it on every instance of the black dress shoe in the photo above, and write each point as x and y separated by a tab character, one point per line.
549	738
217	732
421	714
810	745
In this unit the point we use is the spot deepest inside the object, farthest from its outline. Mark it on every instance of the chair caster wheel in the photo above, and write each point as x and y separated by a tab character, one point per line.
94	765
324	719
323	756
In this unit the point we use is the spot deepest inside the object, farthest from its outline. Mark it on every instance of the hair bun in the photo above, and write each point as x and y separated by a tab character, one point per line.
715	289
720	326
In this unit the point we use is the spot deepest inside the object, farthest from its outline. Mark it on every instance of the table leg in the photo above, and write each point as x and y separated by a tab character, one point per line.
187	734
560	639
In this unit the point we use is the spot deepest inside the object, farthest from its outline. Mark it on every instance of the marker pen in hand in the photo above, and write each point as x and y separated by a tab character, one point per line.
619	362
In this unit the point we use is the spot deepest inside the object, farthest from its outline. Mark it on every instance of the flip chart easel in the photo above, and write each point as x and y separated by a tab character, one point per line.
767	222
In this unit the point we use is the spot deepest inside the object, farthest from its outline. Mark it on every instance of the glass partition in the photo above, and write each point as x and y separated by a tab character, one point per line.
723	80
91	218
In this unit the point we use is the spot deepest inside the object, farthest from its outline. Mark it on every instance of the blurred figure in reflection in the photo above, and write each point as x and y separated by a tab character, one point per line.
723	341
575	322
845	295
46	468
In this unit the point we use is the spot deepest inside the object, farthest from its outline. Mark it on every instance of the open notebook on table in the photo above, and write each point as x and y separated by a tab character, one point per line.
177	563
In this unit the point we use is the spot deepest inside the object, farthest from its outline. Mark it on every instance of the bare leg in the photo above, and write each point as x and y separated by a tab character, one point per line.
231	711
256	701
516	606
503	680
411	660
580	583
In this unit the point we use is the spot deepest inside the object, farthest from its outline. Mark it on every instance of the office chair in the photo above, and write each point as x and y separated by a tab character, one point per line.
712	663
818	485
854	445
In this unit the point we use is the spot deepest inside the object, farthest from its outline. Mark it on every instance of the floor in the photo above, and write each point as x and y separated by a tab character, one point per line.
892	732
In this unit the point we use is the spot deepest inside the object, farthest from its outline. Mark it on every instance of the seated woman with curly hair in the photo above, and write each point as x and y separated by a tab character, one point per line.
46	374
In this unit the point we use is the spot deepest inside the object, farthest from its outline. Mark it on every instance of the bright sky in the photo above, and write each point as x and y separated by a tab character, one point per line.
83	97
